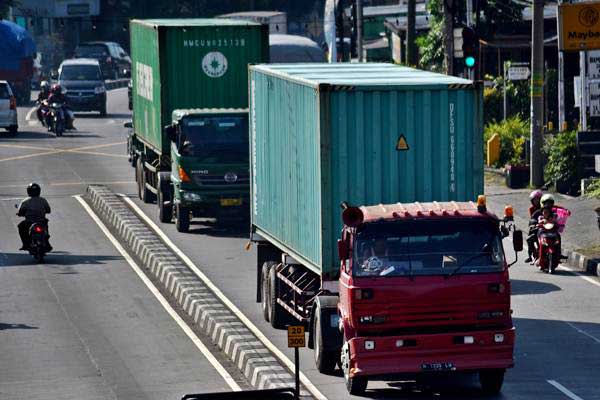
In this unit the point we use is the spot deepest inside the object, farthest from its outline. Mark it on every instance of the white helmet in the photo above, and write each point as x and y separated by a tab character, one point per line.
44	85
547	198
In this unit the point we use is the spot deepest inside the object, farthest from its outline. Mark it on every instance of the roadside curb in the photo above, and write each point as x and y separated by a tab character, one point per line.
210	315
583	263
119	83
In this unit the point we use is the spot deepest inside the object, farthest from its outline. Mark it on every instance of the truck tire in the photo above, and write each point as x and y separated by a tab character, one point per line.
324	360
182	219
265	291
277	314
165	211
356	385
491	380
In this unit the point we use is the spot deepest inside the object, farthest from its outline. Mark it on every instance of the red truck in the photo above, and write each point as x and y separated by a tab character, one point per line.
17	51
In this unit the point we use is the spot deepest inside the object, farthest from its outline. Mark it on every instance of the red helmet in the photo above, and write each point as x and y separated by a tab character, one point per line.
56	89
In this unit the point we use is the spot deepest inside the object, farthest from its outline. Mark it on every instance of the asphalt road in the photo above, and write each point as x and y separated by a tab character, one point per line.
557	317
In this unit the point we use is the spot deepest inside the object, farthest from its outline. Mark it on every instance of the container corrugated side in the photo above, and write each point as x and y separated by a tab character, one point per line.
146	87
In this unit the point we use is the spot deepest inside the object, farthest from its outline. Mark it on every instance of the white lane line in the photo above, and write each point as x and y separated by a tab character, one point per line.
189	332
278	353
563	389
28	116
594	338
579	274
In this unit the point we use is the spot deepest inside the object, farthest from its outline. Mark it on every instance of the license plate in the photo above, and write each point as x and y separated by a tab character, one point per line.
231	202
438	367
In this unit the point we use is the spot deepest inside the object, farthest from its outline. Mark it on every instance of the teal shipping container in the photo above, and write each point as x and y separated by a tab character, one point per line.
190	63
367	134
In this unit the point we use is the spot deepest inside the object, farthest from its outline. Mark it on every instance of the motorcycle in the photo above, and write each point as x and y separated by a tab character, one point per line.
39	245
57	122
549	247
42	112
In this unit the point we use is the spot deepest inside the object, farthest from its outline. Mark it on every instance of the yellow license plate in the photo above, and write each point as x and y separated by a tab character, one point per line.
231	202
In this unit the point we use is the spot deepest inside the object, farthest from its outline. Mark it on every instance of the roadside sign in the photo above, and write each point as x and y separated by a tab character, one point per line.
518	73
593	69
296	336
594	102
597	156
579	26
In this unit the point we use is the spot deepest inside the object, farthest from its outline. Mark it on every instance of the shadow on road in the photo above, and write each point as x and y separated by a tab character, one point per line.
60	259
16	326
226	229
521	287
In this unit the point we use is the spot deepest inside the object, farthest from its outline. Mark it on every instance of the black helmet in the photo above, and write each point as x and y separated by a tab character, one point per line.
34	190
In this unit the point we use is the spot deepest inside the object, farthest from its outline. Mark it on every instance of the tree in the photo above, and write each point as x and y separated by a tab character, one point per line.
431	44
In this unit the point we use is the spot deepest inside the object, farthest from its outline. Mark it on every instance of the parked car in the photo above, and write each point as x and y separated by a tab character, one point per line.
114	61
81	78
8	108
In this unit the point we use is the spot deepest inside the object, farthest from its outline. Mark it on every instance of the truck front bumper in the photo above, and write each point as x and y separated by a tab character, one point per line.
223	203
399	355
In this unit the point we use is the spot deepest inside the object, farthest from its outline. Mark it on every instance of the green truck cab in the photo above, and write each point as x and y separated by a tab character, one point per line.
209	172
189	138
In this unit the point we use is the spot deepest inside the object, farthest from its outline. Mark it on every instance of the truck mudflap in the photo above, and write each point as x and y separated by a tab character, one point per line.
461	351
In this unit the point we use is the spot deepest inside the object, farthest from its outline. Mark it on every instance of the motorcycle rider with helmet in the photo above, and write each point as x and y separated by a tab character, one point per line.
57	96
34	210
547	201
42	107
535	211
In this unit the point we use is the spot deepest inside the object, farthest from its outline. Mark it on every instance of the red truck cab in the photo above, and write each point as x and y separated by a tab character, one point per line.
424	288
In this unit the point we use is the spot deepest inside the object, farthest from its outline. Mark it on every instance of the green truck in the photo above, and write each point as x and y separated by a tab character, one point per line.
189	142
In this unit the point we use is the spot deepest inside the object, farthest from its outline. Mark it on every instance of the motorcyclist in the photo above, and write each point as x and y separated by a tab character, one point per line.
534	212
547	201
42	97
57	96
34	210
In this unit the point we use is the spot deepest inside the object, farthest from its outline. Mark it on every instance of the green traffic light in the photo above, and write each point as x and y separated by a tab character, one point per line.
470	61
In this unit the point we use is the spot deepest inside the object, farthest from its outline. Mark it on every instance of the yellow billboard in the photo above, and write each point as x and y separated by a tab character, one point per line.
579	25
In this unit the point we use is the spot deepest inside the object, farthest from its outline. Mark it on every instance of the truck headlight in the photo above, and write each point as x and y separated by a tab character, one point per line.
99	89
191	196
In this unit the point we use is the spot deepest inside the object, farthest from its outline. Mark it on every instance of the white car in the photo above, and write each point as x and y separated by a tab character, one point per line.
8	108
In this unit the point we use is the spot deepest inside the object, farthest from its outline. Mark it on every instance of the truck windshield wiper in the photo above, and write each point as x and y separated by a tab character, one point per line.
484	252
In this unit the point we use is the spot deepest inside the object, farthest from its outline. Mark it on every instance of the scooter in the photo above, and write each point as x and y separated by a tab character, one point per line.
57	119
38	245
549	247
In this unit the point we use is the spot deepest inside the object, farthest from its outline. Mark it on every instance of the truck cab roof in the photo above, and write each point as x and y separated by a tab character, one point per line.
178	114
411	211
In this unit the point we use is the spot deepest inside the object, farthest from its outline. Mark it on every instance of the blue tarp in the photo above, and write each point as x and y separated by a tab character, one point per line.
15	44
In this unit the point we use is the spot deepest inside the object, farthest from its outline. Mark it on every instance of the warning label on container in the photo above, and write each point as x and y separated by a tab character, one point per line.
402	144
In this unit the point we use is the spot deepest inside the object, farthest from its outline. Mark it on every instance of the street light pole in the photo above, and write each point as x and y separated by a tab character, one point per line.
411	53
537	93
359	28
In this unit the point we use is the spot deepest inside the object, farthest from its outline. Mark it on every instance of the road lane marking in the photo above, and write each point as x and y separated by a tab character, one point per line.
563	389
70	184
59	151
582	276
249	324
188	331
594	338
28	116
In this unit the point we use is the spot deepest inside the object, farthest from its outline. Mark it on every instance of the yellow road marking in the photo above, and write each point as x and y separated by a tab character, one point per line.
59	151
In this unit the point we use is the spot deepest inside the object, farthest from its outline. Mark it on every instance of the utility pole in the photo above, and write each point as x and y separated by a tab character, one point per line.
537	93
448	36
561	80
583	104
411	51
359	28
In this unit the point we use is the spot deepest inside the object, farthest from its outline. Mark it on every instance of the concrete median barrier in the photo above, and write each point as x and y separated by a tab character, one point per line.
211	317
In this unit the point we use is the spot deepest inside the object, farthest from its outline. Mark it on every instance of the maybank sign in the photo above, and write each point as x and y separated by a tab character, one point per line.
579	26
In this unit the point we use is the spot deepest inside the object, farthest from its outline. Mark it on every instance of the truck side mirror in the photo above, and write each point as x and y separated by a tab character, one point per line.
128	124
171	132
342	249
518	240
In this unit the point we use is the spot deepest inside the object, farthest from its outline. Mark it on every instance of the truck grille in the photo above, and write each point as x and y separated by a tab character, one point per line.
220	180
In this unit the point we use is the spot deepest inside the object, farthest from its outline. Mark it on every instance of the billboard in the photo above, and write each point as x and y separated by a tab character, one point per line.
76	8
579	26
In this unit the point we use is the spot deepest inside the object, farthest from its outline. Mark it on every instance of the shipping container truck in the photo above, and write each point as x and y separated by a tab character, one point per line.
17	51
415	281
189	142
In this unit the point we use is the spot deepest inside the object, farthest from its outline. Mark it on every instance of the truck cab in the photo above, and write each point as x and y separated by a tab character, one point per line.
424	288
209	172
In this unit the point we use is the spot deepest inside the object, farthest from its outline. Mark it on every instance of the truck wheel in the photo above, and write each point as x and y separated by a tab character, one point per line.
182	222
12	130
165	211
356	385
324	360
277	314
491	381
265	291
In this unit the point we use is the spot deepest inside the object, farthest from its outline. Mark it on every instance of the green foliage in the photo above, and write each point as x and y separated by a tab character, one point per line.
492	105
501	16
563	158
431	44
517	95
513	133
593	190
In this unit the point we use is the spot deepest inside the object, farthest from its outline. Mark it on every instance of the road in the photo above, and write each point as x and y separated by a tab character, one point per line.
557	317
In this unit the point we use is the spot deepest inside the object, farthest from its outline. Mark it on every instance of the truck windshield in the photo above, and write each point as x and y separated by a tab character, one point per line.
215	139
439	247
80	73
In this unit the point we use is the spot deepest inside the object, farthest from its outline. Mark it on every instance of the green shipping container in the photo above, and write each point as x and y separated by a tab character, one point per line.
362	133
190	63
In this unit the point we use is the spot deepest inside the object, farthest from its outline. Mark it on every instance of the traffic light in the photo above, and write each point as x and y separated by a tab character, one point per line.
470	46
